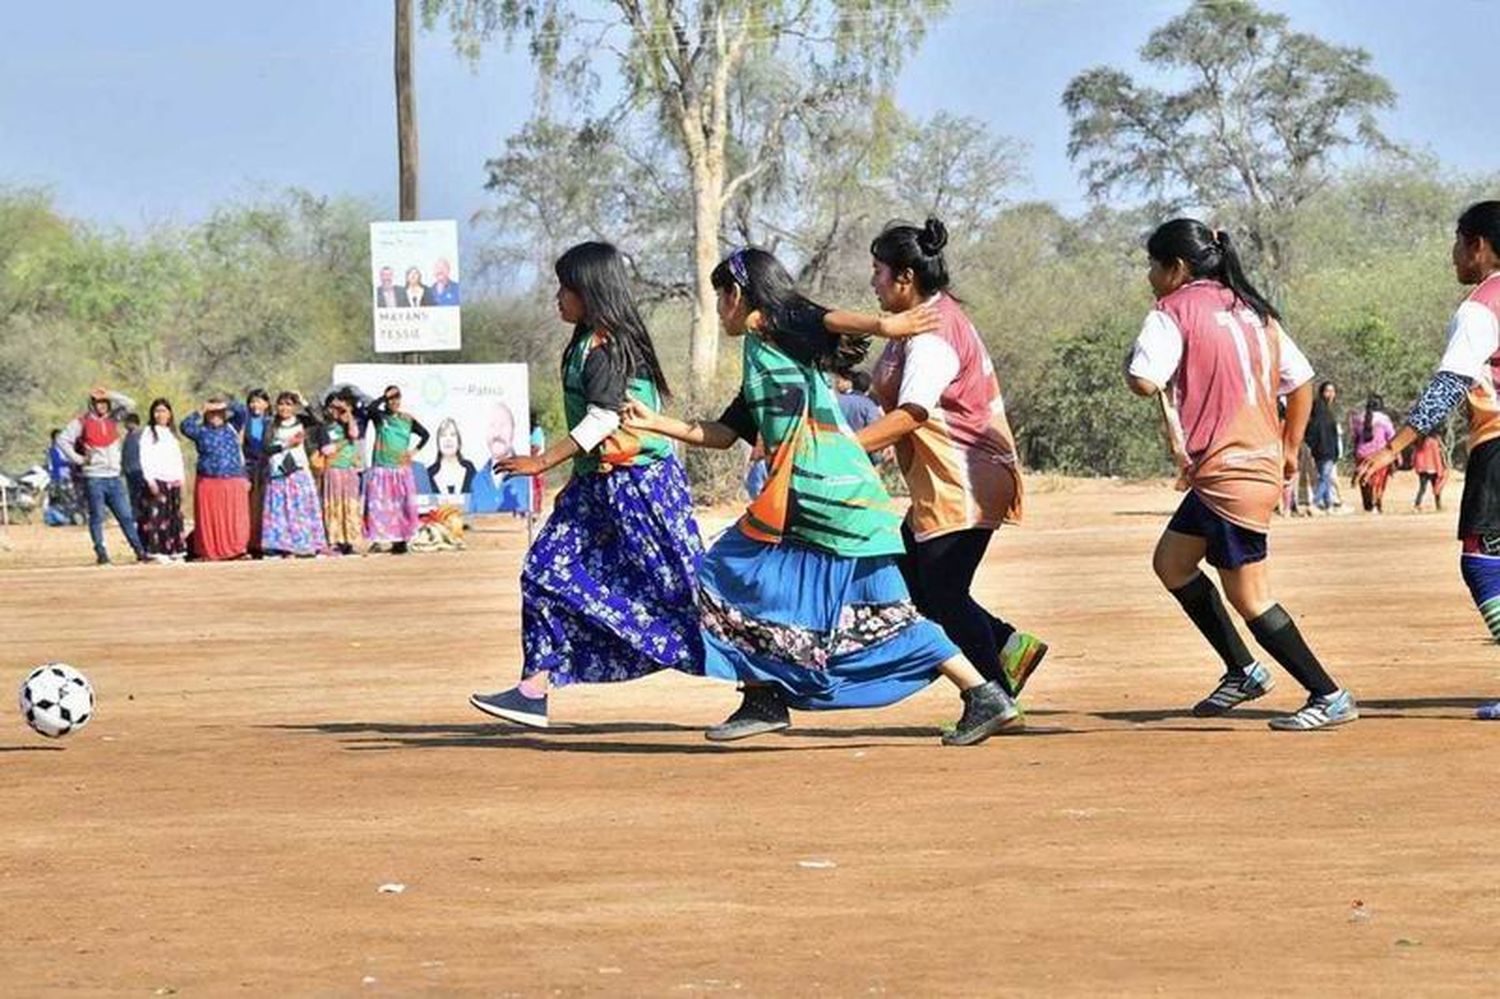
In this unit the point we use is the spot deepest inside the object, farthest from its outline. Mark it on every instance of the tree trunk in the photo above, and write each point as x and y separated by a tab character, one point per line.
406	115
703	342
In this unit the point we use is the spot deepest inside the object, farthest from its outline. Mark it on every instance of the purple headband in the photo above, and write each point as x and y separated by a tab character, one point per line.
737	269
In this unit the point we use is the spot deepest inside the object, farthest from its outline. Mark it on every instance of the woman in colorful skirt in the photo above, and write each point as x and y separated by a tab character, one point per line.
390	488
338	447
292	523
258	420
221	494
1431	466
607	589
1469	373
159	519
1370	431
803	601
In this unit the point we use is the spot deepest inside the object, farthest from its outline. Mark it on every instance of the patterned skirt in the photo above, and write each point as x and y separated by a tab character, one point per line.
293	518
159	519
343	510
825	630
221	518
607	589
390	504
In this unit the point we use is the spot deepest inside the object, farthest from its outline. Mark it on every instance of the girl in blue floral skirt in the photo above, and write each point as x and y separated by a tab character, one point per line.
608	590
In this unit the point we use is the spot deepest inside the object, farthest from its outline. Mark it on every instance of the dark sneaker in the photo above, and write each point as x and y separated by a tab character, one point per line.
512	705
102	560
1234	690
760	711
987	710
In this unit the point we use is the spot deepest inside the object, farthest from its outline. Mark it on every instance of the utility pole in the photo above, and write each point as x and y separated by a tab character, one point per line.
406	127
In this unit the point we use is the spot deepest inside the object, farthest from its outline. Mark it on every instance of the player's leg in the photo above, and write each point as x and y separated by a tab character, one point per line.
1480	563
987	707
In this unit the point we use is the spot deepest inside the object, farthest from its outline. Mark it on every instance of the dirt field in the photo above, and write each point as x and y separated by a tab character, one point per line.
276	741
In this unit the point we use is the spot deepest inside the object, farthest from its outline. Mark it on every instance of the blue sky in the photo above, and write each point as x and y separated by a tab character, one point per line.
140	113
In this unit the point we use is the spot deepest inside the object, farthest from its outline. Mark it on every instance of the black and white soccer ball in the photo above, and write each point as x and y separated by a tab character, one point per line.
56	699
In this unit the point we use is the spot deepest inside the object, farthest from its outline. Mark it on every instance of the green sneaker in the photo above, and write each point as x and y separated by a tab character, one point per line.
1019	659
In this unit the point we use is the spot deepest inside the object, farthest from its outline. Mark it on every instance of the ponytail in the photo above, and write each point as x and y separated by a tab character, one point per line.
1210	254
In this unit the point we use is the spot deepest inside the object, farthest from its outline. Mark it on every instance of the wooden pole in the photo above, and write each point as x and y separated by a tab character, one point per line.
406	114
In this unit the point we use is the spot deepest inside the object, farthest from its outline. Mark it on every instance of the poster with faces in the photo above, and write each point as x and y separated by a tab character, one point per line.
417	286
476	415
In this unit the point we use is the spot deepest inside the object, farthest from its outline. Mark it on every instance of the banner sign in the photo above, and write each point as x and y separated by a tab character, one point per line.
414	269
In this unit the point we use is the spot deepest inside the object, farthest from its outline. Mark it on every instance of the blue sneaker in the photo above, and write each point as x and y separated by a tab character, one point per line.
514	706
1234	690
1337	708
1488	712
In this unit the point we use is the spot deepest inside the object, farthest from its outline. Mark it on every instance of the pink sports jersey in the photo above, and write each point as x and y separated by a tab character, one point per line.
960	464
1225	389
1484	399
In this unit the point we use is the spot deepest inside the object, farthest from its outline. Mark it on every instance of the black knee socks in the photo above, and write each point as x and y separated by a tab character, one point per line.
1277	633
1200	599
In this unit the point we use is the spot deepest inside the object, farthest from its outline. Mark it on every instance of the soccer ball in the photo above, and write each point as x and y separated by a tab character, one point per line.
56	699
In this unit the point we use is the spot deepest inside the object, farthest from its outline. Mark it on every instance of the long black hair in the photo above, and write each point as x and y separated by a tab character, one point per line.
595	272
151	417
1482	220
903	246
793	322
1373	405
1208	253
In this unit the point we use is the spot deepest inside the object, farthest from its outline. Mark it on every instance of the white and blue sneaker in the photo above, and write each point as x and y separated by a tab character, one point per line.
1235	689
1488	712
512	705
1325	711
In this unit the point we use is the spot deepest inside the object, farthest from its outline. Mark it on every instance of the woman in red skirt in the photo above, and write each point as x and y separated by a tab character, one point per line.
221	495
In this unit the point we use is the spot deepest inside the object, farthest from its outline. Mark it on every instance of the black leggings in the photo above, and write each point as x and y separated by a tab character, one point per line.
939	573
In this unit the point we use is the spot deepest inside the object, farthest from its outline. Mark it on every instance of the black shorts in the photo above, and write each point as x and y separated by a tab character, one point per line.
1230	546
1479	511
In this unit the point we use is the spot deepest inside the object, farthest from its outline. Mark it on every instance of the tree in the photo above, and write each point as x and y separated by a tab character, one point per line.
1252	134
679	63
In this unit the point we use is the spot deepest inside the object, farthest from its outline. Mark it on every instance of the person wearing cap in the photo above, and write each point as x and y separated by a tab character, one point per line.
221	494
93	442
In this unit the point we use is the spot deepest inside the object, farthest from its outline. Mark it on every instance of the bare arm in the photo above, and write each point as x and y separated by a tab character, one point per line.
891	325
891	427
699	433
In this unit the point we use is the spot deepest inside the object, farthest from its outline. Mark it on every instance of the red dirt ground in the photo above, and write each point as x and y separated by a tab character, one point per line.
276	741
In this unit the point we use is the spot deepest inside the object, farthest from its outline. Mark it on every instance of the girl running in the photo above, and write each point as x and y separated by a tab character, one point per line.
803	601
946	418
221	493
293	520
160	519
1469	372
607	589
339	453
1370	431
1218	345
390	488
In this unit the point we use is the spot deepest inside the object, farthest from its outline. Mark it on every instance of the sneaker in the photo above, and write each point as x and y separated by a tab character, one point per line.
987	709
1235	689
1488	712
512	705
1019	658
1337	708
102	560
760	711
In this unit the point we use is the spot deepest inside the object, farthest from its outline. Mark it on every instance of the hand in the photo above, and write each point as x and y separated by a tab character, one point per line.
1288	465
638	416
1366	469
520	465
922	319
155	489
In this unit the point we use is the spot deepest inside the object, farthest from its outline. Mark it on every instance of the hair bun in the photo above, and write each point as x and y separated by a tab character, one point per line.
933	237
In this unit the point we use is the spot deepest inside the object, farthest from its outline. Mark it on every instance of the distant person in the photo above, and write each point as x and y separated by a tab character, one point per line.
95	443
387	295
1371	431
1431	466
443	291
854	400
451	474
130	461
292	523
390	487
538	447
340	456
62	494
1323	442
162	469
221	492
414	293
256	435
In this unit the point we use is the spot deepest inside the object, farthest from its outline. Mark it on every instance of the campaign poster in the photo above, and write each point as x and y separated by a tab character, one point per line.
474	414
414	270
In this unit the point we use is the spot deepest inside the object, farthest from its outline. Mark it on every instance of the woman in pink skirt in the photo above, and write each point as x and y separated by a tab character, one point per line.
390	487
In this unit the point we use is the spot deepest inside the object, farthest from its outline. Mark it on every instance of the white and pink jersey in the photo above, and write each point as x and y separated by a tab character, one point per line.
960	464
1225	368
1474	352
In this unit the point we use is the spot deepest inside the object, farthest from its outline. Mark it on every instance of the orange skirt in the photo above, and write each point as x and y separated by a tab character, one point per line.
221	514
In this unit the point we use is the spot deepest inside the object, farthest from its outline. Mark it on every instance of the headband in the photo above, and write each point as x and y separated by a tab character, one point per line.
737	269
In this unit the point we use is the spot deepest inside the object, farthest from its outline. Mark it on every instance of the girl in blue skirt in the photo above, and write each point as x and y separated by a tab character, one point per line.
608	591
802	600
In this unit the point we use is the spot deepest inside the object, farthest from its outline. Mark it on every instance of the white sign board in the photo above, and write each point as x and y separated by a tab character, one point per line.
414	271
475	414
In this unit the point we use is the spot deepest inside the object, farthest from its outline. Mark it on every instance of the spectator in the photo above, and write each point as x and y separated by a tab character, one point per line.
93	442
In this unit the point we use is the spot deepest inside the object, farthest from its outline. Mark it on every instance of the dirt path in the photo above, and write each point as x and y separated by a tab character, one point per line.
275	741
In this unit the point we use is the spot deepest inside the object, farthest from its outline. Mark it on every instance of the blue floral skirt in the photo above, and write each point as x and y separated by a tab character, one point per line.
292	520
827	631
608	588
